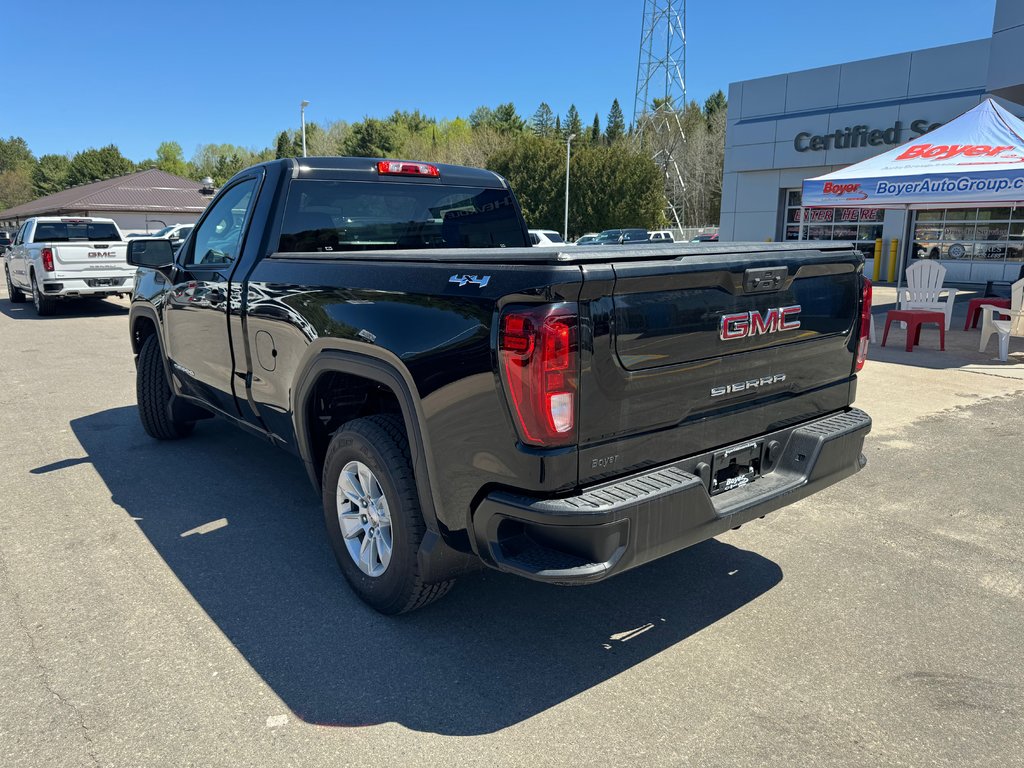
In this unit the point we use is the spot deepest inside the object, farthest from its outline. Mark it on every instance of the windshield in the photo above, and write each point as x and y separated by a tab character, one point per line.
611	236
328	216
554	237
66	231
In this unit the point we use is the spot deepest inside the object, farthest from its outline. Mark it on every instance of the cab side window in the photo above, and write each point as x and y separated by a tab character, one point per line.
218	238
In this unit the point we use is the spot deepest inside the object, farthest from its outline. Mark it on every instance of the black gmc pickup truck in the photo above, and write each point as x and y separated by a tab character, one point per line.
459	397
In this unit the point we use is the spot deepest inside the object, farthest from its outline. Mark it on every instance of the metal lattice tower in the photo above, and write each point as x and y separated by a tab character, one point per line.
661	95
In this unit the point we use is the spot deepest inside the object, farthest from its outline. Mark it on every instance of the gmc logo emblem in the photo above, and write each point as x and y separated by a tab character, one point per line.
740	325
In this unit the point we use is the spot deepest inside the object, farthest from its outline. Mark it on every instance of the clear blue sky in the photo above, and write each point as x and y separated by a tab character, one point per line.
81	74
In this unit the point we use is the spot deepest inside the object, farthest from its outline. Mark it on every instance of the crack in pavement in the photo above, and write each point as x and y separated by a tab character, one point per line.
991	373
8	584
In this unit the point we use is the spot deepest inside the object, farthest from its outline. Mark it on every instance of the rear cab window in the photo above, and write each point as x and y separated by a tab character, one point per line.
331	216
70	231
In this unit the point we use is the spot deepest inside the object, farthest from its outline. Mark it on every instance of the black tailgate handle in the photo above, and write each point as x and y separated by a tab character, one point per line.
764	279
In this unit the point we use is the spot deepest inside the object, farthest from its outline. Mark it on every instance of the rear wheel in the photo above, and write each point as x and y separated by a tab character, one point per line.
16	295
45	305
154	395
373	518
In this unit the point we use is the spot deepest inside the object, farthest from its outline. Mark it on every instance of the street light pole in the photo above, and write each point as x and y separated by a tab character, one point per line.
568	150
302	111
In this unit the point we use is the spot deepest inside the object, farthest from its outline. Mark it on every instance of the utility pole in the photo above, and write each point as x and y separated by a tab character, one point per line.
568	145
302	112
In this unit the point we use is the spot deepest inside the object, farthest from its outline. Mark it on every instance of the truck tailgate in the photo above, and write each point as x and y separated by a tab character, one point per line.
701	352
97	255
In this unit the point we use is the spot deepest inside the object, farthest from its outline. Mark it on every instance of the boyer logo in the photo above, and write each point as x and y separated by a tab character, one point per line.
845	191
949	151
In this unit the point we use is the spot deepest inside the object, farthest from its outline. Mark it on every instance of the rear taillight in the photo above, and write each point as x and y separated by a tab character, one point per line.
538	351
400	168
47	256
865	323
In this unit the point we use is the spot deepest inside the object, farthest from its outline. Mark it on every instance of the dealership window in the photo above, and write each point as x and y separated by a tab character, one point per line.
861	225
973	234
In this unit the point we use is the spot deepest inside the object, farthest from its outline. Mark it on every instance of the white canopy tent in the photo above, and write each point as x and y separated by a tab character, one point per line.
976	159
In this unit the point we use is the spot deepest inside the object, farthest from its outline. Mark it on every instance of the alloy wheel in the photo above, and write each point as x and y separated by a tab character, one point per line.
364	518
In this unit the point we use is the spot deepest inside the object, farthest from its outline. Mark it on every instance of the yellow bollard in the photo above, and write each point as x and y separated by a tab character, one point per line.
894	249
877	272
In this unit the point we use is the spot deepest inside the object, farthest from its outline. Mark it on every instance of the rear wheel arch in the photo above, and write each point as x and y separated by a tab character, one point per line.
371	372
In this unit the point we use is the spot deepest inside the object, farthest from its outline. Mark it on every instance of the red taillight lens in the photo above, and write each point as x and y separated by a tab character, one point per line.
538	352
865	323
47	256
398	168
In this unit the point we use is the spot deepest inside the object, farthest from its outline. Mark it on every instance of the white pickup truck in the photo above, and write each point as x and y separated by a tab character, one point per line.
54	258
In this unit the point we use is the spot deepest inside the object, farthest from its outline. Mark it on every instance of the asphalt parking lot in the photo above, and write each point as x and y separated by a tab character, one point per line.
177	603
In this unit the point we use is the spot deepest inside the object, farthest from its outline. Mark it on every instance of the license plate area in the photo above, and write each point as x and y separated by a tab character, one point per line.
735	466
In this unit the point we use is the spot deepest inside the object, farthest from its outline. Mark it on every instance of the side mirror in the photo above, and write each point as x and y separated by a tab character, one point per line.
152	253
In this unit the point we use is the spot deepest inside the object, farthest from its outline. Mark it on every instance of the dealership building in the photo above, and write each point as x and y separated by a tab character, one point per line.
786	128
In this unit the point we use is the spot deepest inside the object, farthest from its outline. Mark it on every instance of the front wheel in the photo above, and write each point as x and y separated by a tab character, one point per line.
45	305
154	395
373	518
16	295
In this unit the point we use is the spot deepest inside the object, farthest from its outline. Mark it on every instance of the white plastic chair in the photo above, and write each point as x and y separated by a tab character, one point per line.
1014	326
924	289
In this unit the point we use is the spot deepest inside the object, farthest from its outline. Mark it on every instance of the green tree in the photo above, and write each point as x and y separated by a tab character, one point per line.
15	188
170	158
506	120
714	104
95	164
222	161
15	155
285	146
412	122
50	174
616	123
595	130
573	124
543	121
610	186
481	117
372	138
536	170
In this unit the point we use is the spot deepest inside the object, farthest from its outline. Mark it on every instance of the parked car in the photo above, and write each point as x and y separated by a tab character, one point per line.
608	237
707	238
176	233
546	238
55	258
661	236
5	243
634	235
588	239
617	236
460	398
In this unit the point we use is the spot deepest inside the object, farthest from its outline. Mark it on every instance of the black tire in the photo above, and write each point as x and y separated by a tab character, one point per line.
16	295
154	395
380	443
45	305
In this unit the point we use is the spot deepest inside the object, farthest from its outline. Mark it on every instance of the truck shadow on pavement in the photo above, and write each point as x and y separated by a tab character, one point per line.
65	309
241	528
